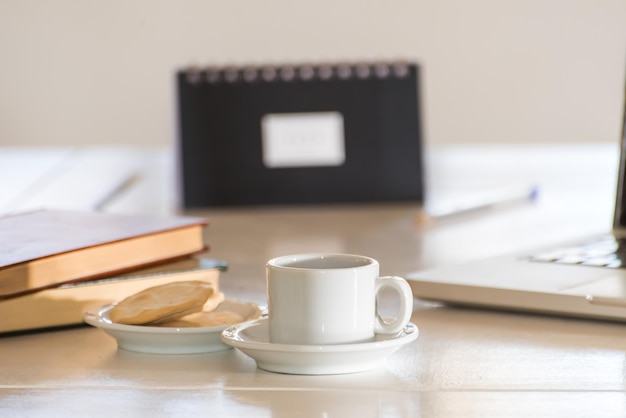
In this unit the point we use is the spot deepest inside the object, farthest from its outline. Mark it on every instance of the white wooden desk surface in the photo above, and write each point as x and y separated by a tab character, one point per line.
465	363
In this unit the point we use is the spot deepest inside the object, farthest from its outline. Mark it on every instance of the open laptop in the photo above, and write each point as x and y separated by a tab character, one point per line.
586	279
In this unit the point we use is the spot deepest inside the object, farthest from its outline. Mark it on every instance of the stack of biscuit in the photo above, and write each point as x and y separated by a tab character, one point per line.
180	304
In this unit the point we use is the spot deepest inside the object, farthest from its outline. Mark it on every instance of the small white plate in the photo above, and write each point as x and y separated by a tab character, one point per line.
166	340
252	338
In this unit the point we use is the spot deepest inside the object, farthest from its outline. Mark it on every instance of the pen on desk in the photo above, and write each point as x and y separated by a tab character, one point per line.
606	301
480	203
123	185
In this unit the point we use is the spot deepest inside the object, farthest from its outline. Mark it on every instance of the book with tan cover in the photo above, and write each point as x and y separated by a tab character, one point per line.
65	305
46	248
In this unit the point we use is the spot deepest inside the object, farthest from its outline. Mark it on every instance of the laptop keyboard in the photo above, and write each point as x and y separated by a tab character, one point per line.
607	252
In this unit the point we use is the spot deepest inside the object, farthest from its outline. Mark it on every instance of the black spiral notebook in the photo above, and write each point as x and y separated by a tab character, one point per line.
268	135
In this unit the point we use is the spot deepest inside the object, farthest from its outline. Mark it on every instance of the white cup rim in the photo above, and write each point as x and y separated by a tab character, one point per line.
279	262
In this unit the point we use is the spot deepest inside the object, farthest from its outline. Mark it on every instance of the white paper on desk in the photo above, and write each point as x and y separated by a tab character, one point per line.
23	171
73	179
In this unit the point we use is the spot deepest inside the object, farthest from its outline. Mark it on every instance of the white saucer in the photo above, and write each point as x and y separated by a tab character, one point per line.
165	340
252	338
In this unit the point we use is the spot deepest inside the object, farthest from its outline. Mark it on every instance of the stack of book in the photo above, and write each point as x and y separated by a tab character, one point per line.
56	264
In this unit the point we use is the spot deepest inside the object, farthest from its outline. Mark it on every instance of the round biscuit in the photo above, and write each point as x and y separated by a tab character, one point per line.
169	300
206	319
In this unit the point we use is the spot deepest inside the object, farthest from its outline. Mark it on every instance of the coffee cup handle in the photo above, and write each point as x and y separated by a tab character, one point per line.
382	326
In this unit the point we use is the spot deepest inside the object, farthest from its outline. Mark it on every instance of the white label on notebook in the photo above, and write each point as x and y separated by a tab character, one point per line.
313	139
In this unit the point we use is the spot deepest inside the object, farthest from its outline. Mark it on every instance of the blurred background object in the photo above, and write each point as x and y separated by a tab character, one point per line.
326	133
86	72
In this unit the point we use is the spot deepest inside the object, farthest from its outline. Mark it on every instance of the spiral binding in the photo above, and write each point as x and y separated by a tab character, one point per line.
303	72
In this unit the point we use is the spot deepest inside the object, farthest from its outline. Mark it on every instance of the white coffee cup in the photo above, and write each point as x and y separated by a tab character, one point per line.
318	299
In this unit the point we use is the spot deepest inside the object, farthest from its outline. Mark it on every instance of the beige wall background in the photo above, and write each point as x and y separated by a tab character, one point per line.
521	71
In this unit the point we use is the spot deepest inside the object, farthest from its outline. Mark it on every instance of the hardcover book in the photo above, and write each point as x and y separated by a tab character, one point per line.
46	248
65	305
